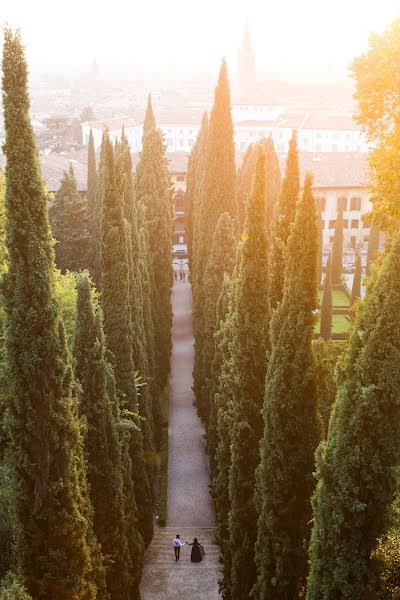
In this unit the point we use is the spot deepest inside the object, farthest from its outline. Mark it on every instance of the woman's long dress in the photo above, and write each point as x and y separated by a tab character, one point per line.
196	554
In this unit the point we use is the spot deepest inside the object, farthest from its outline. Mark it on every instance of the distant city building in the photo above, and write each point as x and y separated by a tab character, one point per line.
315	134
246	66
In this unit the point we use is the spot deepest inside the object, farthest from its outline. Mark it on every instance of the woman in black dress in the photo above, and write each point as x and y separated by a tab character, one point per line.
197	551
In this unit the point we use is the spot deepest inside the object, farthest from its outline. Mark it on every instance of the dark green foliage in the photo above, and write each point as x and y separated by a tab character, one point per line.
56	550
153	192
93	196
136	300
128	433
356	287
7	524
68	220
387	555
292	424
326	356
216	197
355	465
117	320
373	246
221	261
337	248
12	589
249	350
326	304
284	216
102	445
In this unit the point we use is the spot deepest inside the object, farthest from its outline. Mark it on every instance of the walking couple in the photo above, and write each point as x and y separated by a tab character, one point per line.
197	549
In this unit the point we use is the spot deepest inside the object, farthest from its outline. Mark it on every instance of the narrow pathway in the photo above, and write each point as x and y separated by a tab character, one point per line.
190	511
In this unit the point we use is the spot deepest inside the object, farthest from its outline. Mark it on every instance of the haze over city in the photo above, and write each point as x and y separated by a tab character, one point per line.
293	40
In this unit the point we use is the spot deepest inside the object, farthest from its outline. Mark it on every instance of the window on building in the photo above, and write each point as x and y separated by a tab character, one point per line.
332	223
170	142
346	223
342	201
366	238
321	203
354	223
353	241
181	239
355	204
179	202
180	178
331	239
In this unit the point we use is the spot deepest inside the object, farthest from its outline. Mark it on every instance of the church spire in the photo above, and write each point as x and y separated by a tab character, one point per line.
246	66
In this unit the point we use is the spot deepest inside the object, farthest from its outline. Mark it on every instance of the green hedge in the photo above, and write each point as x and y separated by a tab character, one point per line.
163	499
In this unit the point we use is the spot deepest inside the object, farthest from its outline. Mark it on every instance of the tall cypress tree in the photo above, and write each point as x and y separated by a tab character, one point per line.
221	261
149	119
136	299
355	466
217	196
244	180
153	192
326	304
284	216
245	176
337	247
102	444
356	287
373	246
57	553
321	245
68	220
94	198
292	426
193	187
249	349
117	322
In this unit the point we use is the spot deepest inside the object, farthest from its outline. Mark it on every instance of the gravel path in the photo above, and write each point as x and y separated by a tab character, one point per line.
189	502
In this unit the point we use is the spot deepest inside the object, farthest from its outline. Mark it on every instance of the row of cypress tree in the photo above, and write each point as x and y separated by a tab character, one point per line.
255	259
82	420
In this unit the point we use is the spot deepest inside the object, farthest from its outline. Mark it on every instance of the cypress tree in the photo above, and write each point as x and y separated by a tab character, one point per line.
284	216
153	192
373	246
356	287
326	304
68	220
249	349
136	299
217	196
56	551
221	261
245	176
193	187
93	196
292	427
244	180
355	466
117	322
337	248
102	444
321	246
222	311
149	119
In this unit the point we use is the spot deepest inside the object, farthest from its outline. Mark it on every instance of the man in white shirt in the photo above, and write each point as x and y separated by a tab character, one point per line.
177	545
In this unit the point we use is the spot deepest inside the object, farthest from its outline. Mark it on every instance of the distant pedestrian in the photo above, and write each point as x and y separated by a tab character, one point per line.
176	275
197	551
177	545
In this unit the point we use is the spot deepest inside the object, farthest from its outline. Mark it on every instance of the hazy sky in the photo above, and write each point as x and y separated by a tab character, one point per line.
303	36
